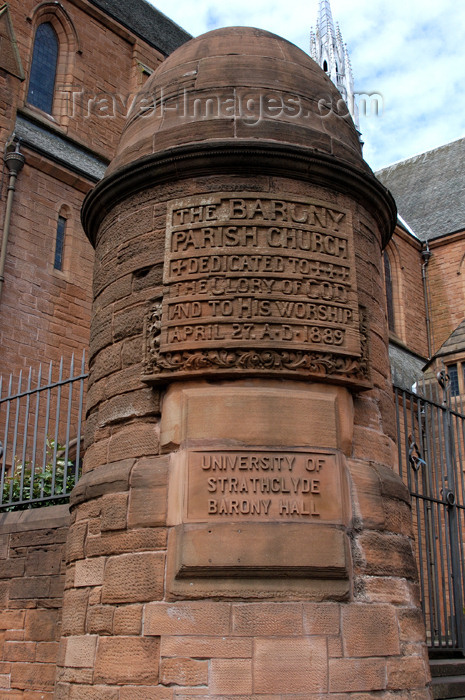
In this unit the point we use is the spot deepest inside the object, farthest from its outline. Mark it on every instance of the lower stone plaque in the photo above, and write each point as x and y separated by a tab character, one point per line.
261	513
263	485
261	550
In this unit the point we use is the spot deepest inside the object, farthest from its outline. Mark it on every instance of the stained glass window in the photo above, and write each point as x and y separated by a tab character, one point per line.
389	293
59	243
43	68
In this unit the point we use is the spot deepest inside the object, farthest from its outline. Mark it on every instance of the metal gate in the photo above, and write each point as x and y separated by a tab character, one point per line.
431	443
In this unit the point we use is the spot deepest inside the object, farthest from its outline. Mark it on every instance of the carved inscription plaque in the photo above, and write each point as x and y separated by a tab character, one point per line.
257	283
263	486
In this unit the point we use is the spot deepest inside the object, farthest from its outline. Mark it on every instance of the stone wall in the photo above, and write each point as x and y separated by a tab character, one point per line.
404	252
446	272
32	545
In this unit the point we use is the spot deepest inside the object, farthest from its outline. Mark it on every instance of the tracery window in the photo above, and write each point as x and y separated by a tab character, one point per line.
43	68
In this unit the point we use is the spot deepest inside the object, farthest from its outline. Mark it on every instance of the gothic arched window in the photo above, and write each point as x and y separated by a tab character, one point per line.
389	292
43	68
325	66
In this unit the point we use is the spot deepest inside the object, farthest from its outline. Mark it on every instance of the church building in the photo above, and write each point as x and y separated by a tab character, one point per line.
180	567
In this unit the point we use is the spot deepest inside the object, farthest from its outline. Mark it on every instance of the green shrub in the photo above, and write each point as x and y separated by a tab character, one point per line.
42	483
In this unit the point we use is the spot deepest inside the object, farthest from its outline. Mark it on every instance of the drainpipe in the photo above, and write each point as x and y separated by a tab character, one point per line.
14	161
426	255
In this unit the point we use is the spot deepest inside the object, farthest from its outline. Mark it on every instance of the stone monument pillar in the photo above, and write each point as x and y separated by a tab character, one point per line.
239	530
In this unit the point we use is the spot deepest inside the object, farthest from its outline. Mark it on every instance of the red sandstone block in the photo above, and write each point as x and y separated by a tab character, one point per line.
93	528
377	589
231	677
411	625
369	504
407	673
89	572
96	455
366	412
89	509
352	675
106	362
11	568
183	671
267	619
100	619
371	445
207	647
74	611
95	394
120	289
11	619
134	404
5	667
129	378
76	541
398	517
127	660
44	562
145	572
134	440
387	555
100	330
335	649
95	692
290	665
128	620
4	588
41	625
57	585
47	652
207	618
75	675
131	354
369	630
14	635
27	676
109	478
321	618
19	651
80	651
114	512
146	693
149	492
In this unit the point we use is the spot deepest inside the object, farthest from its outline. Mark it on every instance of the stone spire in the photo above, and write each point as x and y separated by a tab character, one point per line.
329	51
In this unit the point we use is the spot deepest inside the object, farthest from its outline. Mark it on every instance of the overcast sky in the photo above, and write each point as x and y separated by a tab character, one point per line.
412	52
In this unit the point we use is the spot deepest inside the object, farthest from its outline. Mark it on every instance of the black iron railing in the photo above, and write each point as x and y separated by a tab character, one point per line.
431	445
40	435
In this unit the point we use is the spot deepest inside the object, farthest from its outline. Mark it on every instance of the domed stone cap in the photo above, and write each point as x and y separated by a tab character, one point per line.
239	101
239	84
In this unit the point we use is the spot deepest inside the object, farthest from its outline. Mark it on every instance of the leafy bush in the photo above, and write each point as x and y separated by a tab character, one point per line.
42	486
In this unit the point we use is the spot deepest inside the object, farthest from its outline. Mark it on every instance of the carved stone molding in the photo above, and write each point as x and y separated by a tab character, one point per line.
163	367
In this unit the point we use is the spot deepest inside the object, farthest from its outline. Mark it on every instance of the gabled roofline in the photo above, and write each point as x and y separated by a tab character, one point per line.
169	35
418	155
